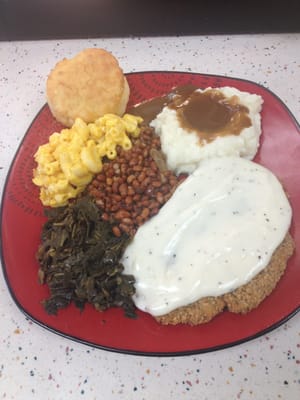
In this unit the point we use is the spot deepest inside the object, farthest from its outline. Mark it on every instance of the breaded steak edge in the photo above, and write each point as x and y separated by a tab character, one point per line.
241	300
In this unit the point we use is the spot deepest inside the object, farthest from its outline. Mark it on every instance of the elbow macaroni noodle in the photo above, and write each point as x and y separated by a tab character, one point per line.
68	162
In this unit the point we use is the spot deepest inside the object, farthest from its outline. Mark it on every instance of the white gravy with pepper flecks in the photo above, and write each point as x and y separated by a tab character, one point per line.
218	230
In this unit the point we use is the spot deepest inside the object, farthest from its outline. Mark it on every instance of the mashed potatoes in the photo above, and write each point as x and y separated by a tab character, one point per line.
182	147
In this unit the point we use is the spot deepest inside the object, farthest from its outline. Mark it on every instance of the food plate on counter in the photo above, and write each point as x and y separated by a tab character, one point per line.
22	218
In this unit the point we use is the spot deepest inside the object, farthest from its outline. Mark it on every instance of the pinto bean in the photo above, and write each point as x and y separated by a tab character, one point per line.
145	213
131	189
116	231
121	214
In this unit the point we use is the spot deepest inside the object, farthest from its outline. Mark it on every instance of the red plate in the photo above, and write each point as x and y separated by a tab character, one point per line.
22	219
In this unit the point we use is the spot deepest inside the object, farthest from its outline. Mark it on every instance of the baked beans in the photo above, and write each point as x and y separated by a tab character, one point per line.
131	188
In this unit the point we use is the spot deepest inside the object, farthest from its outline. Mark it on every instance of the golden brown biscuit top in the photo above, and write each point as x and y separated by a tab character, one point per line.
86	86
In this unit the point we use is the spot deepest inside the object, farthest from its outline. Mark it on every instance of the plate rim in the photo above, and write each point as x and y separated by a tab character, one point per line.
132	351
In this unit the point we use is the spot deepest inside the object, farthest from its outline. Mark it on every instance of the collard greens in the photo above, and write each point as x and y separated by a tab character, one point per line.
79	260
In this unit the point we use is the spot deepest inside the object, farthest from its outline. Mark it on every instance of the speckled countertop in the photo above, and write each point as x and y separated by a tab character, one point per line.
37	364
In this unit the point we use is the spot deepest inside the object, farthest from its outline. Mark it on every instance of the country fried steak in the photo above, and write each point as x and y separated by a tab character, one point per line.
241	300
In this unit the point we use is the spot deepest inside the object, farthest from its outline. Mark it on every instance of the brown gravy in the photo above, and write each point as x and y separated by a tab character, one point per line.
149	109
209	113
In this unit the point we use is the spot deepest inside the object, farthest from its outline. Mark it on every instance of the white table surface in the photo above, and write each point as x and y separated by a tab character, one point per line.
38	364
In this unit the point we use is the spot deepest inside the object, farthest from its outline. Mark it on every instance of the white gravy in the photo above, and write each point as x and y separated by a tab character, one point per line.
218	230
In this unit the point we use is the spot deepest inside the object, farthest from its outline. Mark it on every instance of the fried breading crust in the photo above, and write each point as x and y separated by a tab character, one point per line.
241	300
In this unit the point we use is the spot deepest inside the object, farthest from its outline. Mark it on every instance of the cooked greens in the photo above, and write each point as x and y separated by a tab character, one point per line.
79	259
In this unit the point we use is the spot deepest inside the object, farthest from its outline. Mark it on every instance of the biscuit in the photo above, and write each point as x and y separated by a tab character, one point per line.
87	86
241	300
